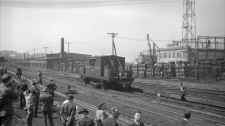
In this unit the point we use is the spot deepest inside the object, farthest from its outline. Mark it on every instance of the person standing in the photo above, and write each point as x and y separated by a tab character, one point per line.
100	114
52	87
7	97
137	120
47	105
35	89
113	120
29	106
183	92
40	77
22	88
68	111
84	119
19	73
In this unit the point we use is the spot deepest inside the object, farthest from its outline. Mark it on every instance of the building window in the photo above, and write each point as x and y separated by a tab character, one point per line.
174	55
92	62
160	55
184	54
165	55
169	55
178	55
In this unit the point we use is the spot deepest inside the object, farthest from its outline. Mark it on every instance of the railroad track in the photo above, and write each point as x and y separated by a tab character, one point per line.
122	120
173	115
173	87
195	97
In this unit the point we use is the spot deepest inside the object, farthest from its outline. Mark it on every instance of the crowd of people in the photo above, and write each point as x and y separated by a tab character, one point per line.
39	97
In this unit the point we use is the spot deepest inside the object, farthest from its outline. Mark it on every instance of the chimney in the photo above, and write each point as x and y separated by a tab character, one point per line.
62	47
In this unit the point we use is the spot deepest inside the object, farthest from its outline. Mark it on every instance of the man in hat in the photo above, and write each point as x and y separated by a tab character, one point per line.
51	87
35	89
137	120
47	105
68	111
7	96
19	73
112	121
29	95
84	119
22	88
40	77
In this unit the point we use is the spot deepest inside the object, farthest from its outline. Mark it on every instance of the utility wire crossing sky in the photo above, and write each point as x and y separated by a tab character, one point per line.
29	24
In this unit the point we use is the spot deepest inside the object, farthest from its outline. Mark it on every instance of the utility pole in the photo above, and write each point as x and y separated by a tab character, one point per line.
34	53
113	35
68	46
149	45
45	49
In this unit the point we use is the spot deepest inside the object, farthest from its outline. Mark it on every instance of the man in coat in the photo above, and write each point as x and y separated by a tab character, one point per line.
47	106
137	120
113	120
7	97
68	111
35	89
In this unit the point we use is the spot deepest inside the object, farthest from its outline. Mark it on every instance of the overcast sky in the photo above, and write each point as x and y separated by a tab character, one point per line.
36	24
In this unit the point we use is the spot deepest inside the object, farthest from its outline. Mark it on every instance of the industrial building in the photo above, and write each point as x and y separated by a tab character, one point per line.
203	58
62	61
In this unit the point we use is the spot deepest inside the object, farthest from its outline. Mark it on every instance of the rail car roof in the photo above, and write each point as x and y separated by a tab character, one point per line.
104	56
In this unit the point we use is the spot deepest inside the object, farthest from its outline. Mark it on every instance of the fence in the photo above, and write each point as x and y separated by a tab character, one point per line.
180	70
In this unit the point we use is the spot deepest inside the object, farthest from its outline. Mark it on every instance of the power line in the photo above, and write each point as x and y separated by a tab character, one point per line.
79	4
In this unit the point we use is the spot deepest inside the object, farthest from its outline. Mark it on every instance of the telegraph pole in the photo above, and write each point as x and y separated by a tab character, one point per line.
34	53
113	35
149	45
68	46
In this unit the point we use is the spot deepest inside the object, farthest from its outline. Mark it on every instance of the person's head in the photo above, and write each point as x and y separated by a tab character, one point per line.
28	91
24	87
51	81
137	116
83	112
6	79
115	112
187	115
32	91
181	83
101	106
70	97
34	82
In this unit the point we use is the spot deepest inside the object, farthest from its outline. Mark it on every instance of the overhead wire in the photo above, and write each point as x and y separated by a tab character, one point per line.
78	4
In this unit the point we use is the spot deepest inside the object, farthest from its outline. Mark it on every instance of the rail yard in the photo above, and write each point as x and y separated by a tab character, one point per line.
165	110
112	63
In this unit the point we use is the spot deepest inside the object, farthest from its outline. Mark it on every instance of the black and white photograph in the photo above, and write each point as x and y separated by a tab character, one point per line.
112	62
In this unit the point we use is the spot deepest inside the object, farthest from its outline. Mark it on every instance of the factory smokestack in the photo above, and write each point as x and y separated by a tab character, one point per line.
62	47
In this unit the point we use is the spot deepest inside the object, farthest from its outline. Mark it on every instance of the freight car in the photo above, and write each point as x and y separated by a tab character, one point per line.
107	72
